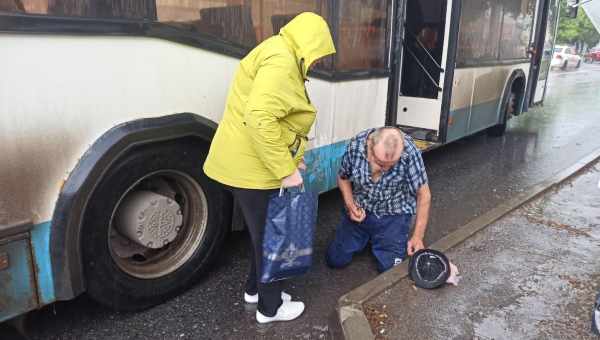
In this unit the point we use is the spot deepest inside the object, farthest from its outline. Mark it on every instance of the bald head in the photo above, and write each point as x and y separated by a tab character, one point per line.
388	144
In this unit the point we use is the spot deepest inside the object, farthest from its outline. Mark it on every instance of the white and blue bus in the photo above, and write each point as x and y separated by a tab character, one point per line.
107	109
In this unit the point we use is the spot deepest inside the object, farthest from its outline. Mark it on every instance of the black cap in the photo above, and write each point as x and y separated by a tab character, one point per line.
429	268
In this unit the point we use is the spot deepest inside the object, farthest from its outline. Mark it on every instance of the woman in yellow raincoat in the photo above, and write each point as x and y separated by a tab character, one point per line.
260	142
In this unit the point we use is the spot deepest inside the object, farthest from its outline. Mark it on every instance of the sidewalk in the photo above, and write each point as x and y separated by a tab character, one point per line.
533	274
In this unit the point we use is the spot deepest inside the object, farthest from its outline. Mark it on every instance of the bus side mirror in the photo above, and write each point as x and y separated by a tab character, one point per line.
572	8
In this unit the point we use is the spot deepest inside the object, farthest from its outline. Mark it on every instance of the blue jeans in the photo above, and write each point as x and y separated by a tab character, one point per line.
388	236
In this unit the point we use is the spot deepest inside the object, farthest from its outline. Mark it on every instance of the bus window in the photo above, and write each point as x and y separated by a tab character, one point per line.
480	27
275	14
271	15
230	20
242	22
493	30
361	42
516	28
122	9
13	6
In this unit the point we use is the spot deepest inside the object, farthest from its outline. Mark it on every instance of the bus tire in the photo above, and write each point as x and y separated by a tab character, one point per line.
499	129
578	64
564	65
137	282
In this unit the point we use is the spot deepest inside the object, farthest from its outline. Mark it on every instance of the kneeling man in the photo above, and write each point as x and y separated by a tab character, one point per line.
384	184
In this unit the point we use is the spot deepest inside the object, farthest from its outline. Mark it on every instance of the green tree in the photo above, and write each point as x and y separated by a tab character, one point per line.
579	31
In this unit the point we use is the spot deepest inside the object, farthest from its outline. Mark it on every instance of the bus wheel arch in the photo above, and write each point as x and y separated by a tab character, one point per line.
78	190
511	103
127	272
518	91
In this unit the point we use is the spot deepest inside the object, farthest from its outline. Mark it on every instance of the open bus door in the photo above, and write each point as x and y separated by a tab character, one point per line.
546	22
425	75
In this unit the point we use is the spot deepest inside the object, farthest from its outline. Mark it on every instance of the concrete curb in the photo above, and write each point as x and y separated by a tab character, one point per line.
351	322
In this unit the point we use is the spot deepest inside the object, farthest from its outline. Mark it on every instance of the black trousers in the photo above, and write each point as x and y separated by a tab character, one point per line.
253	204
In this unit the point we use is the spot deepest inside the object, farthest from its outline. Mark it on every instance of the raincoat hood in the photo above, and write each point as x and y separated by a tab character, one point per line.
309	36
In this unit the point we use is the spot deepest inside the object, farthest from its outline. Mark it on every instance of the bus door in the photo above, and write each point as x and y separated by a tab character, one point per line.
545	33
423	65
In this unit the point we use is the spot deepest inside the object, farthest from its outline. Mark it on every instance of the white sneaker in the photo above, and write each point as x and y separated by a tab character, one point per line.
254	298
289	310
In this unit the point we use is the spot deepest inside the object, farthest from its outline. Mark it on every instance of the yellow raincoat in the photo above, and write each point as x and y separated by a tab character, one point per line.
268	112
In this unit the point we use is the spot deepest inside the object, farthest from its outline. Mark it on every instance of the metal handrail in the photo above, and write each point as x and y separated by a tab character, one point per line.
431	58
423	68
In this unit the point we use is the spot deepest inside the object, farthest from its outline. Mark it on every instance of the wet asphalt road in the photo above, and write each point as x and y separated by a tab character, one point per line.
467	178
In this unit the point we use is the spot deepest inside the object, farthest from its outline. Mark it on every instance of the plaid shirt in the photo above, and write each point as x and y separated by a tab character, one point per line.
395	192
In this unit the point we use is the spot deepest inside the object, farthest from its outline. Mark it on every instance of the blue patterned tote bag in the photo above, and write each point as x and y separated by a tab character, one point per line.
289	233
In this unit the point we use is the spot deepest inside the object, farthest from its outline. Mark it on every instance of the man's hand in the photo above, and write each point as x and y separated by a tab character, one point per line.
355	213
293	180
423	204
414	244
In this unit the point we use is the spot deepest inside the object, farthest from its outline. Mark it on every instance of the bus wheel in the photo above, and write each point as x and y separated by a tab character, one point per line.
564	65
499	129
152	226
578	64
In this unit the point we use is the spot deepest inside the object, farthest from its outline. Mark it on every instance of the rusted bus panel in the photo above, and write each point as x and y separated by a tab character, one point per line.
323	164
17	280
42	262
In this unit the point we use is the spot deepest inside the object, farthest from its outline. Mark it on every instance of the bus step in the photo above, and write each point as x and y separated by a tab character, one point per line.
424	145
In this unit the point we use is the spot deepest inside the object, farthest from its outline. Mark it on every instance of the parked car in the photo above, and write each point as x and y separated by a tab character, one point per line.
596	316
592	55
565	57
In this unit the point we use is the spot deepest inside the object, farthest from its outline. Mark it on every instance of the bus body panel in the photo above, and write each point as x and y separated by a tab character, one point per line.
476	97
27	282
63	95
18	294
49	108
356	105
344	109
40	248
46	123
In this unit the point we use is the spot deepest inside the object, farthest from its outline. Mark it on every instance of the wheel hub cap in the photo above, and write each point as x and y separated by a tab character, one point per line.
149	219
